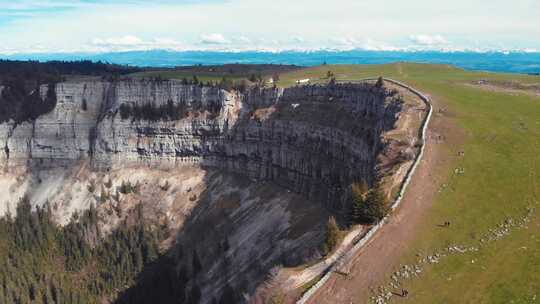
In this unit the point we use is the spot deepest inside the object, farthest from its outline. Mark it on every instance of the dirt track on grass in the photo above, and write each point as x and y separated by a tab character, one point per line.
380	255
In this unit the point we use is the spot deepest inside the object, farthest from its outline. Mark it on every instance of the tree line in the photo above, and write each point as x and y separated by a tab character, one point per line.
54	70
166	112
20	82
368	207
43	263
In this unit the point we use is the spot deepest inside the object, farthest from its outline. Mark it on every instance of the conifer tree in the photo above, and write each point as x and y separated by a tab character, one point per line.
358	193
380	82
376	206
331	235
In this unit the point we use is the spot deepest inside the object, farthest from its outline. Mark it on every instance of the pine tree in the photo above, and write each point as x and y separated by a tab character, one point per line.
138	260
376	206
358	193
331	235
380	82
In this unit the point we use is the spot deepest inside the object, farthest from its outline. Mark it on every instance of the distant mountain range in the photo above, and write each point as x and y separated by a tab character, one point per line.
514	62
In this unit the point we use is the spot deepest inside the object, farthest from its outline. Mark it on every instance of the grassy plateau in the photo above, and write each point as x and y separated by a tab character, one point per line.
499	133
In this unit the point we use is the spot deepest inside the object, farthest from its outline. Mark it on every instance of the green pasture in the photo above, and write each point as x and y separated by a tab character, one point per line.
500	135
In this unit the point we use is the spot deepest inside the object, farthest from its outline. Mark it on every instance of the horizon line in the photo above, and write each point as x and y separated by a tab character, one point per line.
275	51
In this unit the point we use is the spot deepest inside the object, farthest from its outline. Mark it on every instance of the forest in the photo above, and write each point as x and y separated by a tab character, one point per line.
20	82
166	112
42	262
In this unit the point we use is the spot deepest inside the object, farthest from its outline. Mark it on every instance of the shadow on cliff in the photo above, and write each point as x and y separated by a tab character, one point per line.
237	233
328	136
299	153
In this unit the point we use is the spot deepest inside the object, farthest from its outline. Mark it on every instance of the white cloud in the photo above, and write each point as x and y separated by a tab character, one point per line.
350	43
242	40
346	41
74	25
375	45
130	43
214	38
429	40
127	40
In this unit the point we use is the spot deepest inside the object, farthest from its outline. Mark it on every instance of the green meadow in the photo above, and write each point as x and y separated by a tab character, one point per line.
500	134
179	75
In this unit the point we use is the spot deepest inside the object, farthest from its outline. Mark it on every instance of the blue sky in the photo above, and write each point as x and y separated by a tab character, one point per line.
28	26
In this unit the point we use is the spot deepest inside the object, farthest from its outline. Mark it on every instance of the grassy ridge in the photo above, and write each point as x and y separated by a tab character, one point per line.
216	73
501	140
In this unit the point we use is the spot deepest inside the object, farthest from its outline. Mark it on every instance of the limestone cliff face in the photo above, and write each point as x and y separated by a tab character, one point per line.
61	135
314	140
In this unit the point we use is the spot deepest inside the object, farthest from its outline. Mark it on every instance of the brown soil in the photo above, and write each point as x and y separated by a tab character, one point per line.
379	257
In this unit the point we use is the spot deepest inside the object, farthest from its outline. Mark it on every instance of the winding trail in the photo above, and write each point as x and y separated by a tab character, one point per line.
364	261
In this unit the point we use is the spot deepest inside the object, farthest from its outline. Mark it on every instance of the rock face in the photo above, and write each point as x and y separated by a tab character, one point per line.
246	167
314	140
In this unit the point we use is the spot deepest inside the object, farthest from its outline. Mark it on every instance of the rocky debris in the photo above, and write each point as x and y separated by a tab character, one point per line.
443	187
461	249
503	229
407	272
383	296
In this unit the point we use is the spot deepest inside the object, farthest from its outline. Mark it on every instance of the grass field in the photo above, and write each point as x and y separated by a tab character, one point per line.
233	72
500	135
208	76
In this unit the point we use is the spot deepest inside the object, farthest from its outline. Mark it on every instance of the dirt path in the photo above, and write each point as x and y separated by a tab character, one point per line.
297	280
377	259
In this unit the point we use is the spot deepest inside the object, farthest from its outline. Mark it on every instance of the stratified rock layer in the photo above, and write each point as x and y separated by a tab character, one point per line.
287	150
314	140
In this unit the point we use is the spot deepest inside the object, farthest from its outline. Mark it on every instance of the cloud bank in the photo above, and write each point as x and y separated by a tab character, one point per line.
236	25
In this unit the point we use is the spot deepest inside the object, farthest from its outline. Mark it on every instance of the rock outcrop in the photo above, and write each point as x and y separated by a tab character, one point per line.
291	151
314	140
